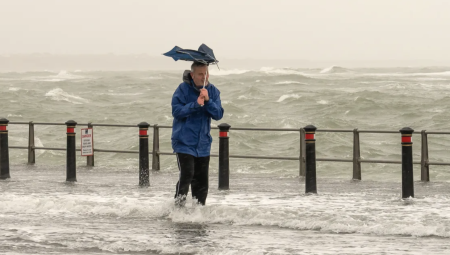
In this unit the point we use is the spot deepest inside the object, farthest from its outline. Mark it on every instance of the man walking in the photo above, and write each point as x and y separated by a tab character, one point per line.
194	103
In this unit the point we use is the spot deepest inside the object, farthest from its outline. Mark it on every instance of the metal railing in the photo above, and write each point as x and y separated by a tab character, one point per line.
356	158
31	145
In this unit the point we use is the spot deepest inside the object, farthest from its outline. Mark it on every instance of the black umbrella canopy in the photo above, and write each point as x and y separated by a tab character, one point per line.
204	54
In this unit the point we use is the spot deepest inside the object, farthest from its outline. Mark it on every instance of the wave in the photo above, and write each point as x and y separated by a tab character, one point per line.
272	70
224	72
65	75
262	70
62	75
336	69
284	97
446	73
58	94
426	74
408	70
289	82
15	115
319	213
152	78
121	94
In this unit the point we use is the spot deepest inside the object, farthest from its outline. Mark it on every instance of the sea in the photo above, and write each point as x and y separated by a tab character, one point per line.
266	210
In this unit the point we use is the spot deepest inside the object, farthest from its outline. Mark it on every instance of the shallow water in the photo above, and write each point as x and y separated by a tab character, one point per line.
107	212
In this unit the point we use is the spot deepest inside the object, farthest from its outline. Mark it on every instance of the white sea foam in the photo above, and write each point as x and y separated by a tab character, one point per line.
437	110
426	76
58	94
15	115
286	71
61	76
335	69
430	79
348	213
38	143
289	82
446	73
223	72
152	78
284	97
86	205
14	89
287	125
122	94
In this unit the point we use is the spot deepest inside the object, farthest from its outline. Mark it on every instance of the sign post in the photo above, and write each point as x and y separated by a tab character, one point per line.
87	142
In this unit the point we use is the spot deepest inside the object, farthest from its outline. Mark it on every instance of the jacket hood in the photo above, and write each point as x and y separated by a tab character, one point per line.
187	76
188	79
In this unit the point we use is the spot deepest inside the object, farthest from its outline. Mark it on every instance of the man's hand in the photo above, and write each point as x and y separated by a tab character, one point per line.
204	94
201	100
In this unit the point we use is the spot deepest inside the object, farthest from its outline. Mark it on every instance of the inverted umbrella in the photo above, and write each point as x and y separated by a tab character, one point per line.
204	55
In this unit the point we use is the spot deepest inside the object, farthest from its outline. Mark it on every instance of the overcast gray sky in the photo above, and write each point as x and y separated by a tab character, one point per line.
281	29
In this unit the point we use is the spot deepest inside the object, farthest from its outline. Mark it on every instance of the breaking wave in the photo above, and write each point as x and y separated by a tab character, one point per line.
283	71
223	72
284	97
58	94
336	69
289	82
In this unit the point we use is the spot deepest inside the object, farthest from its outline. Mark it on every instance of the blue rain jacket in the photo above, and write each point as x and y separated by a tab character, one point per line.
192	122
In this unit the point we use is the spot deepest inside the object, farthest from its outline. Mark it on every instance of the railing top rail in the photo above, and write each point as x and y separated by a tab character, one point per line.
263	129
78	124
114	125
437	133
252	129
19	122
334	130
48	123
331	130
236	128
380	131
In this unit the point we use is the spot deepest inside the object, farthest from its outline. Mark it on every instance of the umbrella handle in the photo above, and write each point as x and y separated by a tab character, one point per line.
205	79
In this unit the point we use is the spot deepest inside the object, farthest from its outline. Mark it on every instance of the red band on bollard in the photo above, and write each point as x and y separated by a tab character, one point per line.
2	128
406	139
309	136
143	132
223	134
70	130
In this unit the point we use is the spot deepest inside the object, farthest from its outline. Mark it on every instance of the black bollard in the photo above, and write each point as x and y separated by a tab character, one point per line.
310	178
4	150
71	162
407	163
224	157
144	178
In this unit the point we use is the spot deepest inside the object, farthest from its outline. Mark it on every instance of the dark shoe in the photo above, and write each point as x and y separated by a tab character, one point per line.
180	201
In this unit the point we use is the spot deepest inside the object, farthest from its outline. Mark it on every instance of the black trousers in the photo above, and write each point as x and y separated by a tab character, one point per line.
195	172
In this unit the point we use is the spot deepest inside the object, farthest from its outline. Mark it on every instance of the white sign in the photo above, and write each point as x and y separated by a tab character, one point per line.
87	142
